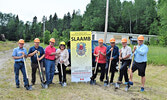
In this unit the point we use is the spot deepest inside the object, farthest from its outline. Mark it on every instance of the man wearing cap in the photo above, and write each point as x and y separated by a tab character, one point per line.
50	53
18	54
34	63
140	61
100	54
125	57
114	59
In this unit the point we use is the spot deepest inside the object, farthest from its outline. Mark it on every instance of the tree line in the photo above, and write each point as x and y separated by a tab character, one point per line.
139	17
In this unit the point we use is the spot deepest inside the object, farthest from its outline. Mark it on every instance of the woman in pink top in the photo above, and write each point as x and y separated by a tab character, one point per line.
101	52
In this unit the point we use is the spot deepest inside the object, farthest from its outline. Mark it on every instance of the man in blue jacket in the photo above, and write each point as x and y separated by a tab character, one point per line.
114	59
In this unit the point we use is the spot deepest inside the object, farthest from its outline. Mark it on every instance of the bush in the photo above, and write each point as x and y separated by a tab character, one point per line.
154	41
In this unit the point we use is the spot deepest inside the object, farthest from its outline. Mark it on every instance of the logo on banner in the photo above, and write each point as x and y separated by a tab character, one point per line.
81	49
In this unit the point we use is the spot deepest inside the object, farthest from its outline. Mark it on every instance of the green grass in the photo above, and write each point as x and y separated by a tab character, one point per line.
7	45
155	88
156	55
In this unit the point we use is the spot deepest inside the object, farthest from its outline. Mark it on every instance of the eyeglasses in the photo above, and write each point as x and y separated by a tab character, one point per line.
62	45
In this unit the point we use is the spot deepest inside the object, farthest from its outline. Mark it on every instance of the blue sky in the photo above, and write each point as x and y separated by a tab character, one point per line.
27	9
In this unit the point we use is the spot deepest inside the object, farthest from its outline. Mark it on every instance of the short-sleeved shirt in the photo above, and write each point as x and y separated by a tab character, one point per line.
126	51
17	53
102	59
48	52
40	53
141	54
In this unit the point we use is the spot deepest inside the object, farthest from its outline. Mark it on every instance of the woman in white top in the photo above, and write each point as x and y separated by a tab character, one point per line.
62	59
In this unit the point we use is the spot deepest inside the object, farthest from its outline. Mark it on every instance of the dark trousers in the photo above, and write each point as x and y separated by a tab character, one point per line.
64	72
17	67
112	70
102	66
34	67
123	70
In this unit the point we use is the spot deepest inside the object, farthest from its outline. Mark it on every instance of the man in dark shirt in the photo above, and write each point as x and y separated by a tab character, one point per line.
114	59
34	63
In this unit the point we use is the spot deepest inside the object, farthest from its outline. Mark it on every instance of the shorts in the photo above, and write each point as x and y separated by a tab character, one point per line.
141	67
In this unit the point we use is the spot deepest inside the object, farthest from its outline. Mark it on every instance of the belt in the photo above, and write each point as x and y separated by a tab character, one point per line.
49	59
19	62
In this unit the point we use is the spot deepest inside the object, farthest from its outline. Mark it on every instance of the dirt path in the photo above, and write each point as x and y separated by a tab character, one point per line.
7	55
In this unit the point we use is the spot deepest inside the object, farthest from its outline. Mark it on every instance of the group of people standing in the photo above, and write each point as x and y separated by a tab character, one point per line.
45	58
108	57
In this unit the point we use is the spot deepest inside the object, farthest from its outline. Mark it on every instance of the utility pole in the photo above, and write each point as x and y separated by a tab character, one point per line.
43	19
106	21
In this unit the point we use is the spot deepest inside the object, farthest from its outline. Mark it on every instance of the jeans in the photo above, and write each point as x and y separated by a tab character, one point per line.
17	67
49	70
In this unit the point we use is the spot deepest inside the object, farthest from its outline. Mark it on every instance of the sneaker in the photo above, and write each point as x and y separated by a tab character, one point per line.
112	83
64	84
130	83
28	88
60	82
46	86
142	89
119	82
32	83
17	86
126	83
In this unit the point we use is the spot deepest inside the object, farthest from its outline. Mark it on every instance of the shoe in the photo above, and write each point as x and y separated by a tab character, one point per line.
126	83
126	88
46	86
60	82
64	84
51	83
131	83
119	82
17	86
142	89
32	83
28	88
112	83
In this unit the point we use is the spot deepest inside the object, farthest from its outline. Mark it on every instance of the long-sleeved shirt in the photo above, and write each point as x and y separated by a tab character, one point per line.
140	54
115	53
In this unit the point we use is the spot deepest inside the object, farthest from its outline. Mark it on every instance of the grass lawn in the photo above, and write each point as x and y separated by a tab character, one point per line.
7	45
155	88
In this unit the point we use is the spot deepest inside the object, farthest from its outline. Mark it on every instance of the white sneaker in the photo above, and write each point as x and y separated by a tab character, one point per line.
64	84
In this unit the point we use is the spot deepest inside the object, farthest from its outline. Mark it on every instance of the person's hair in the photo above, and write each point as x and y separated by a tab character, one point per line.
62	45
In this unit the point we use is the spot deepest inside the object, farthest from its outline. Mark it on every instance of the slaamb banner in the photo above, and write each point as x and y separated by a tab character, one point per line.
81	56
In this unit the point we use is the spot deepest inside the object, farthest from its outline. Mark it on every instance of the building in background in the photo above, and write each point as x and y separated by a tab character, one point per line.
132	38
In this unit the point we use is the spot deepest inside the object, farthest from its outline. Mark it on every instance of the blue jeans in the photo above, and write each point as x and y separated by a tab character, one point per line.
17	67
49	70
